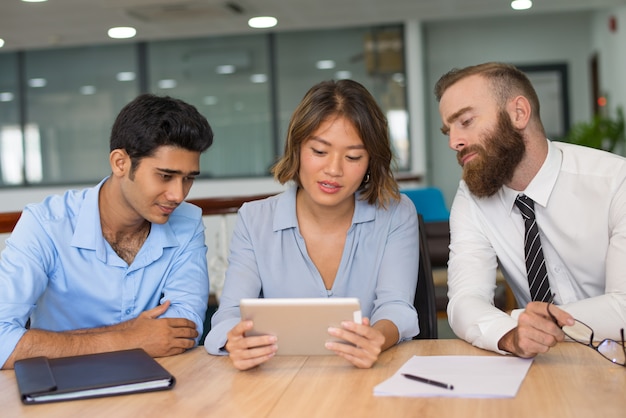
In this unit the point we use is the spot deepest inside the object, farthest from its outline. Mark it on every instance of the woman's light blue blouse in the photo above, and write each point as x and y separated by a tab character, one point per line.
268	258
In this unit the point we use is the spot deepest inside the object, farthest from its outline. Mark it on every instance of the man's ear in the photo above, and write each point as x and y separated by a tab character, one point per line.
520	112
120	162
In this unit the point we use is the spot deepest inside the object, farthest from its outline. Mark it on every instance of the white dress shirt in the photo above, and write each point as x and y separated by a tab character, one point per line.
580	205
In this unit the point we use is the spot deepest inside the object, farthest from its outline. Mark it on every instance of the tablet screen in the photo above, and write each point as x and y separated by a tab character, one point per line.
300	324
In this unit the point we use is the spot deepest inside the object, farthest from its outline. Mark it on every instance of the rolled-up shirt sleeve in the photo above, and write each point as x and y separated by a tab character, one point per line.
397	275
23	278
187	282
472	269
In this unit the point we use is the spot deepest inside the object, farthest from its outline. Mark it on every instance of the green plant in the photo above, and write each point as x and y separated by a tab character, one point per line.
602	132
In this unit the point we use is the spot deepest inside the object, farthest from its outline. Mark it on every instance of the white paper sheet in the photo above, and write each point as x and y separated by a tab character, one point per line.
471	376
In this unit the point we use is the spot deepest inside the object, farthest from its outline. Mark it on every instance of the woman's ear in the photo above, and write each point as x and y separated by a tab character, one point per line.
120	162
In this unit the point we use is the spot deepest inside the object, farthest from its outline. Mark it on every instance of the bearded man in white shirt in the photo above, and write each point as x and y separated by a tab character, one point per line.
490	112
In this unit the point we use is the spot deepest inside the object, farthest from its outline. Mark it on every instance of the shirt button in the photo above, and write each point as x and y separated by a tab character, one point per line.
128	311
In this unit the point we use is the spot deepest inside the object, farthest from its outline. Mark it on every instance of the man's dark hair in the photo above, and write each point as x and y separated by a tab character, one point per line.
150	121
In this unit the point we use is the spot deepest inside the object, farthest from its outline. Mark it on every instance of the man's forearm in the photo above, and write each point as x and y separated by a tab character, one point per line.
109	328
36	343
158	337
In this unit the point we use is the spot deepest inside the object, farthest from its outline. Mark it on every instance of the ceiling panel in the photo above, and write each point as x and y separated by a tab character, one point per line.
78	22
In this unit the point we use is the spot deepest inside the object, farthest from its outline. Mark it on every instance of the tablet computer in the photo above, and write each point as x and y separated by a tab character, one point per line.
300	324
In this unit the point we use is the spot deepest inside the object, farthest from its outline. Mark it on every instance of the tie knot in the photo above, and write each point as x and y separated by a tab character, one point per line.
526	206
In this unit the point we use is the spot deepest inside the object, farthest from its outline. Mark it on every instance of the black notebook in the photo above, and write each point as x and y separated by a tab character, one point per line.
41	379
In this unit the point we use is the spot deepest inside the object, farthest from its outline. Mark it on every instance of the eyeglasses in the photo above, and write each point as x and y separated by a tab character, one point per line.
583	334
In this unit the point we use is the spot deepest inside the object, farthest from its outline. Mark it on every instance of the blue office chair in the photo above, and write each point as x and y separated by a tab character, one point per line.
434	233
430	203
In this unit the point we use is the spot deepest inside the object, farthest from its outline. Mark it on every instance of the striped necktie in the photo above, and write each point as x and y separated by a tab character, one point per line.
535	263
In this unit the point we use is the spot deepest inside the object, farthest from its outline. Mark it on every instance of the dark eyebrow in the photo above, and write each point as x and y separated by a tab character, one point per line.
323	141
169	171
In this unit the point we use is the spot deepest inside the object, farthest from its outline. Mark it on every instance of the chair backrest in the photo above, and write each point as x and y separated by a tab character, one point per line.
429	201
425	302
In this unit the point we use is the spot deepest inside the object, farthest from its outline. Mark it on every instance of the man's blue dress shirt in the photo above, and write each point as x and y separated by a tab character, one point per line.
59	271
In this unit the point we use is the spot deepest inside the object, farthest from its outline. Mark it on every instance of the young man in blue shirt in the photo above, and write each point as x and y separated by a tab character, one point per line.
123	264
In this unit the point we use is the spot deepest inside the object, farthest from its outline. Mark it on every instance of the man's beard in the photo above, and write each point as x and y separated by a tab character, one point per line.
495	160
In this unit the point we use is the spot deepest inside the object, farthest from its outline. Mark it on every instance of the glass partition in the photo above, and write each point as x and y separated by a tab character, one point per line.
72	98
55	127
372	56
11	140
228	80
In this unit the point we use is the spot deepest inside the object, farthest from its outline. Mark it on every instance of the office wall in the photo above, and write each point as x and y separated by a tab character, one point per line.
441	45
609	44
523	41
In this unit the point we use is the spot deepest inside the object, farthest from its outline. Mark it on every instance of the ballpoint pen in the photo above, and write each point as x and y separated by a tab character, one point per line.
428	381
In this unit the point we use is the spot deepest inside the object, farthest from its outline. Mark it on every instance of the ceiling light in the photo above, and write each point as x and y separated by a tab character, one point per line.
125	76
325	64
225	69
210	100
262	22
37	82
521	4
6	96
167	83
258	78
343	75
34	1
88	90
122	32
1	42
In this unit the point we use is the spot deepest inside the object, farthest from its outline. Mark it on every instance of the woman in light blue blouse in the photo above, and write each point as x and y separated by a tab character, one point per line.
341	230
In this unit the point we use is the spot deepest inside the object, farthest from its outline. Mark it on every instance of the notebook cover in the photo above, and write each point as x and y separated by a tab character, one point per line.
40	376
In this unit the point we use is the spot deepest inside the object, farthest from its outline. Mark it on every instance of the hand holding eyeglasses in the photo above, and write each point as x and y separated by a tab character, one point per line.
582	333
535	332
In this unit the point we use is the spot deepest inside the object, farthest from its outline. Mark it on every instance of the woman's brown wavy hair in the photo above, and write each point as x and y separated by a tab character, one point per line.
350	100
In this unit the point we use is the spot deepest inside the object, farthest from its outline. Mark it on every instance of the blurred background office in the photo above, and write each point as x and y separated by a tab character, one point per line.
63	79
65	73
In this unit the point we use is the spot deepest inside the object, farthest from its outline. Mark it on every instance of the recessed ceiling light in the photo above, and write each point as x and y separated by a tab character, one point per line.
521	4
37	82
258	78
325	64
1	42
125	76
167	83
210	100
225	69
262	22
87	90
6	96
343	75
122	32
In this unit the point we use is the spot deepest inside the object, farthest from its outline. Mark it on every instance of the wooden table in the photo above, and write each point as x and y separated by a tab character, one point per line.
569	381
